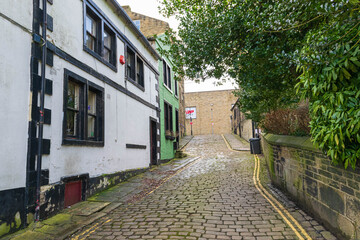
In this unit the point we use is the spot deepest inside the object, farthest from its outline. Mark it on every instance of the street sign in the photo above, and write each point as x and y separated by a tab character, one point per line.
190	113
190	123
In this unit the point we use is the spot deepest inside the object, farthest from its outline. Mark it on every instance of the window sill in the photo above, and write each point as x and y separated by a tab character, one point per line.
136	84
167	88
167	137
77	142
98	57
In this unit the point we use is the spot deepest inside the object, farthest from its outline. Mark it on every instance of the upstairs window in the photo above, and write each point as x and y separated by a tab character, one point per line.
92	32
166	74
140	72
99	39
130	64
176	88
134	68
109	50
169	77
137	24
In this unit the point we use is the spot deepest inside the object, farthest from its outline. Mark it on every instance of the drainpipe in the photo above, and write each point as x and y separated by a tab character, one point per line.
41	114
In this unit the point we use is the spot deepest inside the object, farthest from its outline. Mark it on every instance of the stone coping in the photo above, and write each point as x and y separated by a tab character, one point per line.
291	141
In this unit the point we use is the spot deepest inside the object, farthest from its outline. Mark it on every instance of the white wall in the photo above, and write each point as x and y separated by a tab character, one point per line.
15	54
126	119
68	36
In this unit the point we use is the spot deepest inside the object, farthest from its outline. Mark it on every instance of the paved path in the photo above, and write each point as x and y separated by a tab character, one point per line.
214	197
184	141
237	143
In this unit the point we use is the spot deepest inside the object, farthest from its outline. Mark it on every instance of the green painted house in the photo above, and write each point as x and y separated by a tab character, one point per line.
169	105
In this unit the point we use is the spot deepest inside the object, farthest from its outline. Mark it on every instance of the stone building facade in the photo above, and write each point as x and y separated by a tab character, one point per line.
212	112
148	26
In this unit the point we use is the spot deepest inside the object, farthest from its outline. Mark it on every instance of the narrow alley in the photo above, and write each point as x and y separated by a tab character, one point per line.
214	197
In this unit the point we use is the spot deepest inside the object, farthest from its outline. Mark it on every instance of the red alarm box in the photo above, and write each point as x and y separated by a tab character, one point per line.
122	59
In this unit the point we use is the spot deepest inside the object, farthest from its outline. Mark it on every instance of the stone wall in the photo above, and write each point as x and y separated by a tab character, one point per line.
182	107
328	192
239	124
213	111
148	26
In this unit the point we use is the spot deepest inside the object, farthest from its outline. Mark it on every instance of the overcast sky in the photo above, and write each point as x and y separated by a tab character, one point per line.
150	8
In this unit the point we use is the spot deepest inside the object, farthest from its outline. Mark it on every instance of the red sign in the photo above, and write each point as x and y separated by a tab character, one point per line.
189	111
190	123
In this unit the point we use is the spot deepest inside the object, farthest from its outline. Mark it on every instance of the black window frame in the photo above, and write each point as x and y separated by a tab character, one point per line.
81	138
168	121
166	75
102	25
176	88
135	77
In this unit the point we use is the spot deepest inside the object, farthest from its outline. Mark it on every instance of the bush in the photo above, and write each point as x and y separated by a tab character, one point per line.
287	122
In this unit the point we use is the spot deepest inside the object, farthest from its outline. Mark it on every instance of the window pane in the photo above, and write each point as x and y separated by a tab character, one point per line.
107	40
73	95
166	116
130	62
90	25
91	126
137	24
90	41
164	73
169	77
71	123
140	72
91	32
106	54
92	103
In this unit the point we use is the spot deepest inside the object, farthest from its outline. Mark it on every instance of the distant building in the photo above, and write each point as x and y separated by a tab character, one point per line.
172	101
209	112
240	125
101	117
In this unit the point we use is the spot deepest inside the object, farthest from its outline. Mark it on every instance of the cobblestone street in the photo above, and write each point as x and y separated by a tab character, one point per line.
213	198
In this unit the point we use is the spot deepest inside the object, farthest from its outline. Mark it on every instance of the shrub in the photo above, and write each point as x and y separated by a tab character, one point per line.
287	121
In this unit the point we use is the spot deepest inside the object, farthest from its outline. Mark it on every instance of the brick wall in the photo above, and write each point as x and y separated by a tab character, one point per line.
218	113
328	192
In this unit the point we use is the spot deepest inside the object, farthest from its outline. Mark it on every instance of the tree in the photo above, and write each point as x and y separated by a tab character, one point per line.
271	46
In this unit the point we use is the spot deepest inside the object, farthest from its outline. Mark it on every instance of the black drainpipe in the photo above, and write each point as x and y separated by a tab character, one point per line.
41	112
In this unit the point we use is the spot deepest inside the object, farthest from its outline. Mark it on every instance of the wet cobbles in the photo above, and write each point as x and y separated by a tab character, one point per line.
215	198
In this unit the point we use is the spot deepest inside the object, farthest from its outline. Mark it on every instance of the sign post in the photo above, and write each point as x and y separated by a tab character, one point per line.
190	113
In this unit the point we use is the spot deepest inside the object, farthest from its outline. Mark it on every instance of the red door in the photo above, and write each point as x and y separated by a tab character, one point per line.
72	193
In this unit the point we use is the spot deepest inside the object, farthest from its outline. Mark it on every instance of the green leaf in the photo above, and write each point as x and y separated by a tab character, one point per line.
336	139
346	73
